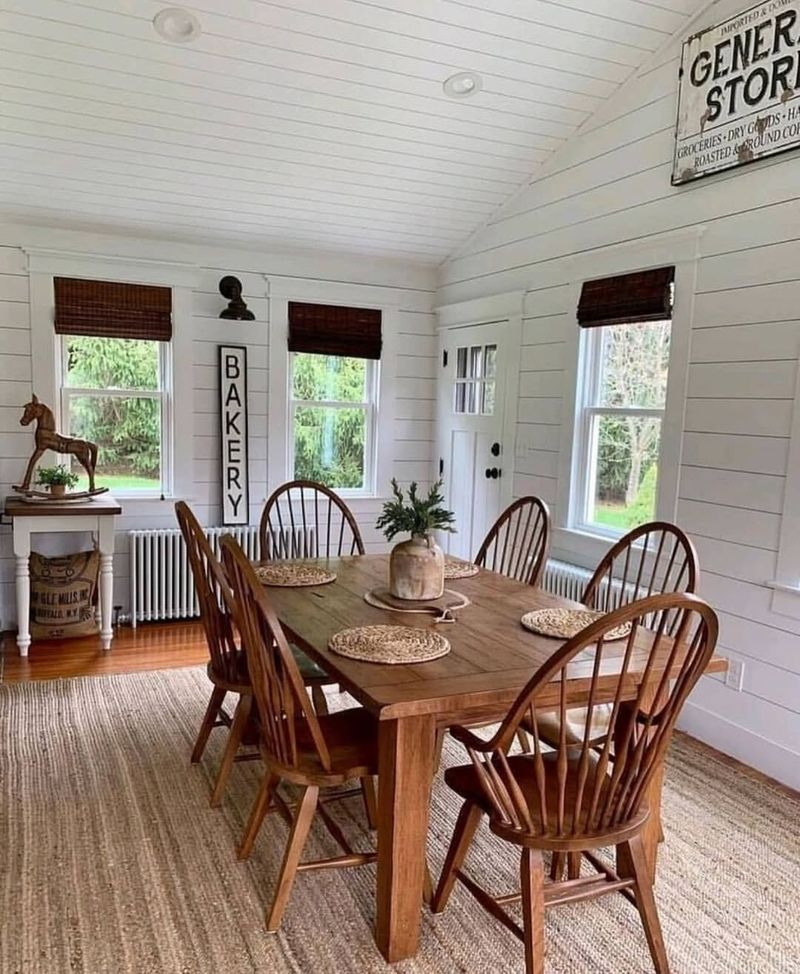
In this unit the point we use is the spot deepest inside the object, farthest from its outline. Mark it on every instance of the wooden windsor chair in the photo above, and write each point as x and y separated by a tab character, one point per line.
518	542
227	666
298	746
305	519
578	800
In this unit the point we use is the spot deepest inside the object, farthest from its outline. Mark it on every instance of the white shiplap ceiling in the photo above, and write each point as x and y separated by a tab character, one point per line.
303	123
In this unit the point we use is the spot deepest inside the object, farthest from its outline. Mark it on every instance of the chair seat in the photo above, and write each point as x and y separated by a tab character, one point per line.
548	726
236	680
352	740
464	781
309	670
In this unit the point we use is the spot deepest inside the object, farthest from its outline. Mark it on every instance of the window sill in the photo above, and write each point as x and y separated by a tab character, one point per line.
581	547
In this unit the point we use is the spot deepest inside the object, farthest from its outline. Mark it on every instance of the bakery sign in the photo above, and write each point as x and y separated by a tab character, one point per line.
233	433
739	91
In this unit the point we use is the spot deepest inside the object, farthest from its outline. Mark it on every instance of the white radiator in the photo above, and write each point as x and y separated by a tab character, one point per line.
568	581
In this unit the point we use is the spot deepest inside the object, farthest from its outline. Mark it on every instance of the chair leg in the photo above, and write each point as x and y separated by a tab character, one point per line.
257	815
557	866
574	865
468	820
212	710
632	862
523	740
532	876
439	748
240	719
291	859
319	700
427	886
370	801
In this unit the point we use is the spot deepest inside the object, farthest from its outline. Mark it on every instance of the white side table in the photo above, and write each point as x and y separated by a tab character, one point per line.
49	517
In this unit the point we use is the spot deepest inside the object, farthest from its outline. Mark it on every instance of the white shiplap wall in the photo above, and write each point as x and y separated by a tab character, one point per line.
405	286
610	185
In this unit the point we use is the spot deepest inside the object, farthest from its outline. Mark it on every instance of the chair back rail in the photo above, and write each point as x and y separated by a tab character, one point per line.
653	558
212	590
518	542
277	684
304	519
599	789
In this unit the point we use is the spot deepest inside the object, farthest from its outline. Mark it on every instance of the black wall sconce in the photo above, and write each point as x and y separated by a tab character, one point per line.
231	288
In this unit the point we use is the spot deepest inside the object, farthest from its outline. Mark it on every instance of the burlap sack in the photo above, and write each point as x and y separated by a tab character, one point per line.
63	595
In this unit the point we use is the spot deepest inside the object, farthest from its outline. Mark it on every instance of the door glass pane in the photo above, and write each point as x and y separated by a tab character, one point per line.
490	361
624	469
634	365
488	398
461	363
475	358
461	397
128	434
472	397
329	445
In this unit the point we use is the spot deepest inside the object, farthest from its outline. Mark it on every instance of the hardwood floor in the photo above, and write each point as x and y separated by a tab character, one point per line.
154	646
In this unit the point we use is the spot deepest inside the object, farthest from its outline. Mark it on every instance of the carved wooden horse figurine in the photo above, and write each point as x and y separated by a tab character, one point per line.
48	439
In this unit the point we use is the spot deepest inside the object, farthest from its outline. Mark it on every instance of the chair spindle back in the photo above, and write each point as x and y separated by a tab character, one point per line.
599	789
211	587
652	559
518	542
304	519
277	683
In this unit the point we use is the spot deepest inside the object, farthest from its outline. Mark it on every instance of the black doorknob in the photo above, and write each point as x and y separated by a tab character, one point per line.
492	473
495	450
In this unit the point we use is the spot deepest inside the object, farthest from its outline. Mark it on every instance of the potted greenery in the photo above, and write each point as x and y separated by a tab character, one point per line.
56	479
416	566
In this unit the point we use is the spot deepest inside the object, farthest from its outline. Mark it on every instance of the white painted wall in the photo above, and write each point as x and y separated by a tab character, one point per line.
611	185
407	288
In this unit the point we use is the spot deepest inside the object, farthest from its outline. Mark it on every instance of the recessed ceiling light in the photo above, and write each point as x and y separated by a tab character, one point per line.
463	84
177	25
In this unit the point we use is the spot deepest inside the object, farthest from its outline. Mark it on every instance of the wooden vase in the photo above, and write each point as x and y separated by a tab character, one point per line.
416	569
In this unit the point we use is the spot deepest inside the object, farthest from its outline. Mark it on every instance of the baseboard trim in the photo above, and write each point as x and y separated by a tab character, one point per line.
752	749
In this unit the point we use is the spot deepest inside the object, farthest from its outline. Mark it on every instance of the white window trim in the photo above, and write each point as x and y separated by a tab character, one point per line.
369	407
43	266
680	249
280	292
786	584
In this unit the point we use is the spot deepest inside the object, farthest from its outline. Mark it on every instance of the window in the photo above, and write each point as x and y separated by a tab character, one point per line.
332	419
113	393
476	369
622	398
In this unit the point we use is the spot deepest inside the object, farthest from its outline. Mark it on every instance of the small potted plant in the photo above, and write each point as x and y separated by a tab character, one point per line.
56	479
416	566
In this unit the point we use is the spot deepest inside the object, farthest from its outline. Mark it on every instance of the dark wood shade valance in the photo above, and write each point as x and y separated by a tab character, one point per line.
326	329
627	299
112	309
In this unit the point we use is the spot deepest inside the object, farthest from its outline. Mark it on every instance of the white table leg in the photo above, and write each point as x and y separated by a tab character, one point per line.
106	594
22	551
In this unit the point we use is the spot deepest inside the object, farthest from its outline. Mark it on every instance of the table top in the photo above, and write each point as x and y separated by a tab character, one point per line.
102	505
491	658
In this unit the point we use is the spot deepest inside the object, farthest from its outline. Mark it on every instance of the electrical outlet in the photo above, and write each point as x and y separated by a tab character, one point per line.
734	677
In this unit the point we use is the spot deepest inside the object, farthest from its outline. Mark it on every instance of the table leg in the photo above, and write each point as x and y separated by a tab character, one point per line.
106	595
652	834
405	771
23	604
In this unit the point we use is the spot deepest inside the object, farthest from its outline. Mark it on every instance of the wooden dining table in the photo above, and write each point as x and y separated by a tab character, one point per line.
490	661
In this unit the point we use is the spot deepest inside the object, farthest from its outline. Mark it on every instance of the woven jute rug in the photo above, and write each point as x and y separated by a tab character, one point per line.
113	862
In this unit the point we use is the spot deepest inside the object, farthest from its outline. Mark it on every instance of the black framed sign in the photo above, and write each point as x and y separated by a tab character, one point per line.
738	91
233	433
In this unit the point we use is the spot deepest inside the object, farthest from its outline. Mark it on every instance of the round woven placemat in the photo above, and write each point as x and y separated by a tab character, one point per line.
389	644
458	568
565	623
293	574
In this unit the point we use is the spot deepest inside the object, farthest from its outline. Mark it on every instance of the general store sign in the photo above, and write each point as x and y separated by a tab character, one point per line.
233	433
739	91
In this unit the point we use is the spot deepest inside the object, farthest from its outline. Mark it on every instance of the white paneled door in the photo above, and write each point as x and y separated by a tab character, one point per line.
472	398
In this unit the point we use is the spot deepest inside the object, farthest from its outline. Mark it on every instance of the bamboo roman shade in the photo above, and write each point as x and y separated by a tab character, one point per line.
627	298
325	329
112	309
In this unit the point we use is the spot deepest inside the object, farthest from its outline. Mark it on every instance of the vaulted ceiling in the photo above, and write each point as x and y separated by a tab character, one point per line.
302	123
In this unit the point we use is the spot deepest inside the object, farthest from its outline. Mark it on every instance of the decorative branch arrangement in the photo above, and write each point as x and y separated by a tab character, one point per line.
419	517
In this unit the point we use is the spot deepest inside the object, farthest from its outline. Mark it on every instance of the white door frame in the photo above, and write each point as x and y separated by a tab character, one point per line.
505	308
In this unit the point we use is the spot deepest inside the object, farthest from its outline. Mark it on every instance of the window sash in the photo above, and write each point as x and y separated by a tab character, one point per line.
370	408
162	394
